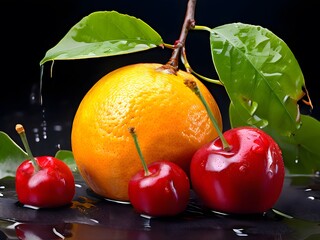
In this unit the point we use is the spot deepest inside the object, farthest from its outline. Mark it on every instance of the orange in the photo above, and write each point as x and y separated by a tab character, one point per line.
171	123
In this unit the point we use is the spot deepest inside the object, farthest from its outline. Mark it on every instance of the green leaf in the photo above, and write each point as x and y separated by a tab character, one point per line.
305	142
67	157
104	33
260	74
300	151
264	82
11	156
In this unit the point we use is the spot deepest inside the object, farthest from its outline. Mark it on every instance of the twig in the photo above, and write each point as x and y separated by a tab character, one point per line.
189	23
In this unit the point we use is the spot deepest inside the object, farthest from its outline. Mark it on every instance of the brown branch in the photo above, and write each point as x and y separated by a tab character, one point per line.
173	64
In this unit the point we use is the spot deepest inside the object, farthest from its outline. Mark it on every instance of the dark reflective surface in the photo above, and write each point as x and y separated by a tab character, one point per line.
89	215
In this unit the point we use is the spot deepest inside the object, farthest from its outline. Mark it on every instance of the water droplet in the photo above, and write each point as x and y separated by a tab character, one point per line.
242	168
253	106
31	207
58	146
239	232
270	174
257	148
146	223
257	121
286	97
41	81
94	220
57	128
117	201
36	134
55	231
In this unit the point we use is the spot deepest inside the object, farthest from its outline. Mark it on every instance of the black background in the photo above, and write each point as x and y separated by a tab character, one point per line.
30	28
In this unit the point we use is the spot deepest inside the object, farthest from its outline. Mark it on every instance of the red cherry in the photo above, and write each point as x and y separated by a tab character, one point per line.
163	192
161	189
241	171
51	186
44	181
245	179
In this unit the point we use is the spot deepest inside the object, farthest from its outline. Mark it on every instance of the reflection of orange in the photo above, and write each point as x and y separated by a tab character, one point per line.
98	232
170	121
83	203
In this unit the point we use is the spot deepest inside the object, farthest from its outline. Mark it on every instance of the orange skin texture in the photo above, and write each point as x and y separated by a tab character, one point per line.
170	121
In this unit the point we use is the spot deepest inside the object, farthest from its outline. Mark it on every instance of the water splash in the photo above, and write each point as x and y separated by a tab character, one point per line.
41	85
239	232
40	133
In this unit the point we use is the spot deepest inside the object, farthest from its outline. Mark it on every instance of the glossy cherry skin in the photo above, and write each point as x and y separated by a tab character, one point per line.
164	192
52	186
248	179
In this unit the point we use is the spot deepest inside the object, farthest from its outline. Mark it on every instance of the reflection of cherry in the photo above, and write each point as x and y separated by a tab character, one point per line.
161	189
27	231
43	181
241	171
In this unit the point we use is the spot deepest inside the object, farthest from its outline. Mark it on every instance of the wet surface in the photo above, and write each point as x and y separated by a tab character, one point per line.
295	216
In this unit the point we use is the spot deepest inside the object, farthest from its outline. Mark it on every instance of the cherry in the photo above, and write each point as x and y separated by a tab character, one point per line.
248	178
43	182
161	189
241	171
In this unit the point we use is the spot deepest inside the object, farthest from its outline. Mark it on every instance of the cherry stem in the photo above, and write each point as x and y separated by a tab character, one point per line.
136	143
22	133
189	23
194	87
